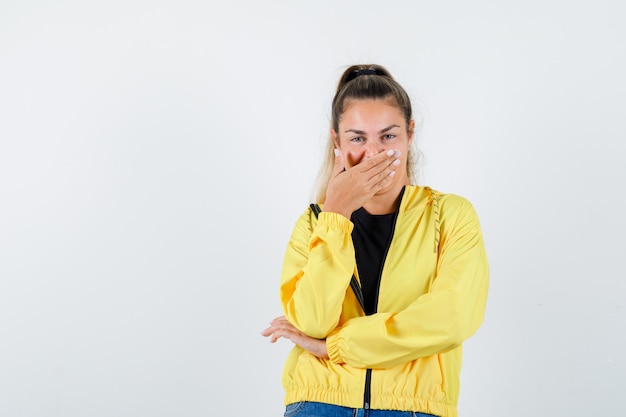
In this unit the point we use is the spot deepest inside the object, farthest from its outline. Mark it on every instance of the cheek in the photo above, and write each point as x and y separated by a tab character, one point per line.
353	157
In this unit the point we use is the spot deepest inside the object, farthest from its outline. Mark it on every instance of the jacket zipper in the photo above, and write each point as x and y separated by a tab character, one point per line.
354	284
367	394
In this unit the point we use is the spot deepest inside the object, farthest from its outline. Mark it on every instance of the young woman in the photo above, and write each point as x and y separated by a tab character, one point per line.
379	289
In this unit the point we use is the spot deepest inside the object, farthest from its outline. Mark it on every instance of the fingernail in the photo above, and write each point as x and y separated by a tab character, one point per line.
397	153
396	162
392	173
337	153
390	152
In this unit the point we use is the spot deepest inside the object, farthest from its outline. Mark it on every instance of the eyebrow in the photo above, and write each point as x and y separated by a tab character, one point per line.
360	132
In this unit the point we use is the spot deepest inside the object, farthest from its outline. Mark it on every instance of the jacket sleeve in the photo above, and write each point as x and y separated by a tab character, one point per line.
318	265
437	321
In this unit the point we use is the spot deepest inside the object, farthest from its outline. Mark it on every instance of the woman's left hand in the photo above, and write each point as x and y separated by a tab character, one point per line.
280	327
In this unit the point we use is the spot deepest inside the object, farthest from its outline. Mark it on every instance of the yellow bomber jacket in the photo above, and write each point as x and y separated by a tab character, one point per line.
432	297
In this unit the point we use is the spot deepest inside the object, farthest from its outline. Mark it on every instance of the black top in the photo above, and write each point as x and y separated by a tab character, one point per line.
371	235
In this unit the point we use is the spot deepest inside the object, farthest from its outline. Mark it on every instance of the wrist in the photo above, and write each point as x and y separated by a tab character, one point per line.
332	208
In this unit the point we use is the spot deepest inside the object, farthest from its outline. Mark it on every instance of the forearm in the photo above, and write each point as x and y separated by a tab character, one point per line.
316	274
435	322
385	340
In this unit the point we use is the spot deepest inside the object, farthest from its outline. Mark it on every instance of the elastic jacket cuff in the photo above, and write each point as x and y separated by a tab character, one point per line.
332	347
335	220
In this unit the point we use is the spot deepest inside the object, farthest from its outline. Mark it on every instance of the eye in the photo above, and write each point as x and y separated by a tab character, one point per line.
357	139
388	136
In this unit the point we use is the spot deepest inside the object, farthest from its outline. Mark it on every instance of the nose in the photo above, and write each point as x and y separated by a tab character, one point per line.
371	149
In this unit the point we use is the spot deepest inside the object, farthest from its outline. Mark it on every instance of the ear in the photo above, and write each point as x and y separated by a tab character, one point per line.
334	137
411	131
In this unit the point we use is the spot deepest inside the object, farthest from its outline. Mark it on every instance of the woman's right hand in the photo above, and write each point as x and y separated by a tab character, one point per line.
350	188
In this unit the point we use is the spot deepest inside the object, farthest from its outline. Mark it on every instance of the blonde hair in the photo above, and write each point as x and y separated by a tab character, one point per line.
363	82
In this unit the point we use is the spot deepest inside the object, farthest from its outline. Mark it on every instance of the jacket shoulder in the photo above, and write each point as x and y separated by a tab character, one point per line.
454	203
449	202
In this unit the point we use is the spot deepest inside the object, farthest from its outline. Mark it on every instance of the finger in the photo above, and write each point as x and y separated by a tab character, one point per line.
280	326
386	172
273	333
378	162
284	333
384	182
269	331
279	320
283	328
339	166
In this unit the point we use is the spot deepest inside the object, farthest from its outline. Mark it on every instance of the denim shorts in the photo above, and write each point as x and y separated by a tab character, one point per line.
313	409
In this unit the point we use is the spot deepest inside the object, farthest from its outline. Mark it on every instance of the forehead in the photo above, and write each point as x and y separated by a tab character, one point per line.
371	112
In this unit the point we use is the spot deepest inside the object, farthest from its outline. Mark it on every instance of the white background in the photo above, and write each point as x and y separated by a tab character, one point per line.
154	156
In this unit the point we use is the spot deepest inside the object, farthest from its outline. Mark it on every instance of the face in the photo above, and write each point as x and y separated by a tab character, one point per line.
368	127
